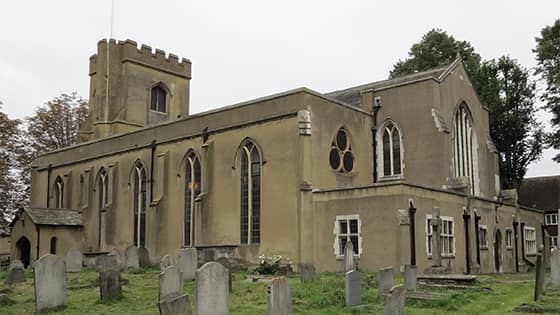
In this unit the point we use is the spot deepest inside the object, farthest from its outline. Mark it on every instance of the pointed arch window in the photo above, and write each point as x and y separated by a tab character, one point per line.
53	246
139	205
341	157
59	192
103	192
158	99
250	194
463	157
192	190
391	150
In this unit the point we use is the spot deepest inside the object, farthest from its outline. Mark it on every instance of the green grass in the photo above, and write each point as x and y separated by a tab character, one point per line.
324	295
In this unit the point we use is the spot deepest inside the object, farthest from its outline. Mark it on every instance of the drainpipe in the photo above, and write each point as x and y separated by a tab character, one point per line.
49	170
466	218
476	219
515	237
412	226
152	159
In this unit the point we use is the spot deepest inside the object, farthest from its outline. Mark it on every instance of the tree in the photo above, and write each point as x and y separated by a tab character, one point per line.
548	67
9	135
509	93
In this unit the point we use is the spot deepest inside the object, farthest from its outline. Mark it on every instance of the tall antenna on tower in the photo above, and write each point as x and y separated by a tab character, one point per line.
108	59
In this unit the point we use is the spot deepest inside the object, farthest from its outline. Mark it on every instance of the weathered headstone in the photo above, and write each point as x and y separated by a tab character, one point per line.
436	239
353	288
170	283
144	257
115	252
225	262
212	290
15	273
180	305
348	256
279	297
131	256
74	260
555	267
109	277
539	275
307	272
166	261
188	262
410	277
50	283
394	303
385	279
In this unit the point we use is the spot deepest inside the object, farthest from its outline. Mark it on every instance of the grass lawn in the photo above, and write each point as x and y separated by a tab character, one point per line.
324	295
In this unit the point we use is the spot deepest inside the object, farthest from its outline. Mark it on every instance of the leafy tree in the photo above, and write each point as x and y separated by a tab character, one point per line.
548	66
509	94
9	135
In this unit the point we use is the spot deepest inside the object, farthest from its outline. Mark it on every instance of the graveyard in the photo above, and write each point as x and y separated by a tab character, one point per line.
325	294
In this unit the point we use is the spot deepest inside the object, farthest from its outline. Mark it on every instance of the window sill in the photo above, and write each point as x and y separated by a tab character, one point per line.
531	255
158	112
509	248
341	257
390	178
484	248
249	245
348	174
443	257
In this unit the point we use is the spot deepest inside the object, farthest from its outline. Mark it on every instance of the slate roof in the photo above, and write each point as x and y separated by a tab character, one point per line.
540	193
352	96
49	216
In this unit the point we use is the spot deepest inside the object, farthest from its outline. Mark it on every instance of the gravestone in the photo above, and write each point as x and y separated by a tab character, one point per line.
539	275
188	262
212	290
166	261
410	277
436	239
180	305
279	297
143	257
170	283
225	262
307	272
555	267
74	260
385	279
394	303
115	252
109	277
50	283
15	273
348	256
131	255
353	288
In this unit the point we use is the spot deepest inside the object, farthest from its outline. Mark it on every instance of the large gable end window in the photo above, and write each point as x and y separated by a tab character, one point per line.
464	144
158	98
192	190
391	151
250	182
341	157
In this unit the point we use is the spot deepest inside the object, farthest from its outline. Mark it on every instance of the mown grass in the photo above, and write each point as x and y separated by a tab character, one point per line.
324	295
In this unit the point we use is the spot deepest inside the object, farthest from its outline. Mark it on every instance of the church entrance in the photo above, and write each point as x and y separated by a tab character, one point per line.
24	251
498	250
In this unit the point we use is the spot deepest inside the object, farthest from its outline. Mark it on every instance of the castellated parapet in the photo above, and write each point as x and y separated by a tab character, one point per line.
129	51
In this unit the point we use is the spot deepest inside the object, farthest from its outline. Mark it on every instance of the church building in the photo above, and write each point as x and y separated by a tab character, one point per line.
297	174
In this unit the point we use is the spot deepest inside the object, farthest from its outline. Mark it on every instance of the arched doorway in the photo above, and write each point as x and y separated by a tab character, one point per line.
24	251
498	250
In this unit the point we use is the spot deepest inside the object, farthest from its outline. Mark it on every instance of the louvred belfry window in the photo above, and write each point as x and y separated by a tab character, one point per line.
341	157
158	99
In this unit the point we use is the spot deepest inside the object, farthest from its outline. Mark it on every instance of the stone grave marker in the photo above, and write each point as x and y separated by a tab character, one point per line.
115	252
555	267
348	256
188	262
394	303
539	275
225	262
279	297
50	283
74	260
166	261
307	272
212	290
436	239
385	278
353	288
131	256
170	283
410	277
180	305
109	277
144	257
15	273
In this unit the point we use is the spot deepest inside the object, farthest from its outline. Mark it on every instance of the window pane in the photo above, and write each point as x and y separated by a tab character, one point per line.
386	153
188	202
342	243
396	152
255	201
354	226
354	240
343	227
341	140
348	161
244	224
334	159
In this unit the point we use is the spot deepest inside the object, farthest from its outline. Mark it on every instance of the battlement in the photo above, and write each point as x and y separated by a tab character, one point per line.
129	51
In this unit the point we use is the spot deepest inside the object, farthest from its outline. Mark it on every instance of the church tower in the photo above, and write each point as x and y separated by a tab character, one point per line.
133	87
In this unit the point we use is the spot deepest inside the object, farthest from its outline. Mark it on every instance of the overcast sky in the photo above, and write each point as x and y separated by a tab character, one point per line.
246	49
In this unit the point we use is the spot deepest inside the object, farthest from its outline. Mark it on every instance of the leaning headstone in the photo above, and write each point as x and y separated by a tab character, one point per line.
15	273
188	262
166	261
74	260
353	288
307	272
131	256
385	279
109	277
555	267
212	290
144	257
170	283
394	304
279	297
410	277
50	283
348	257
225	262
115	252
180	305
